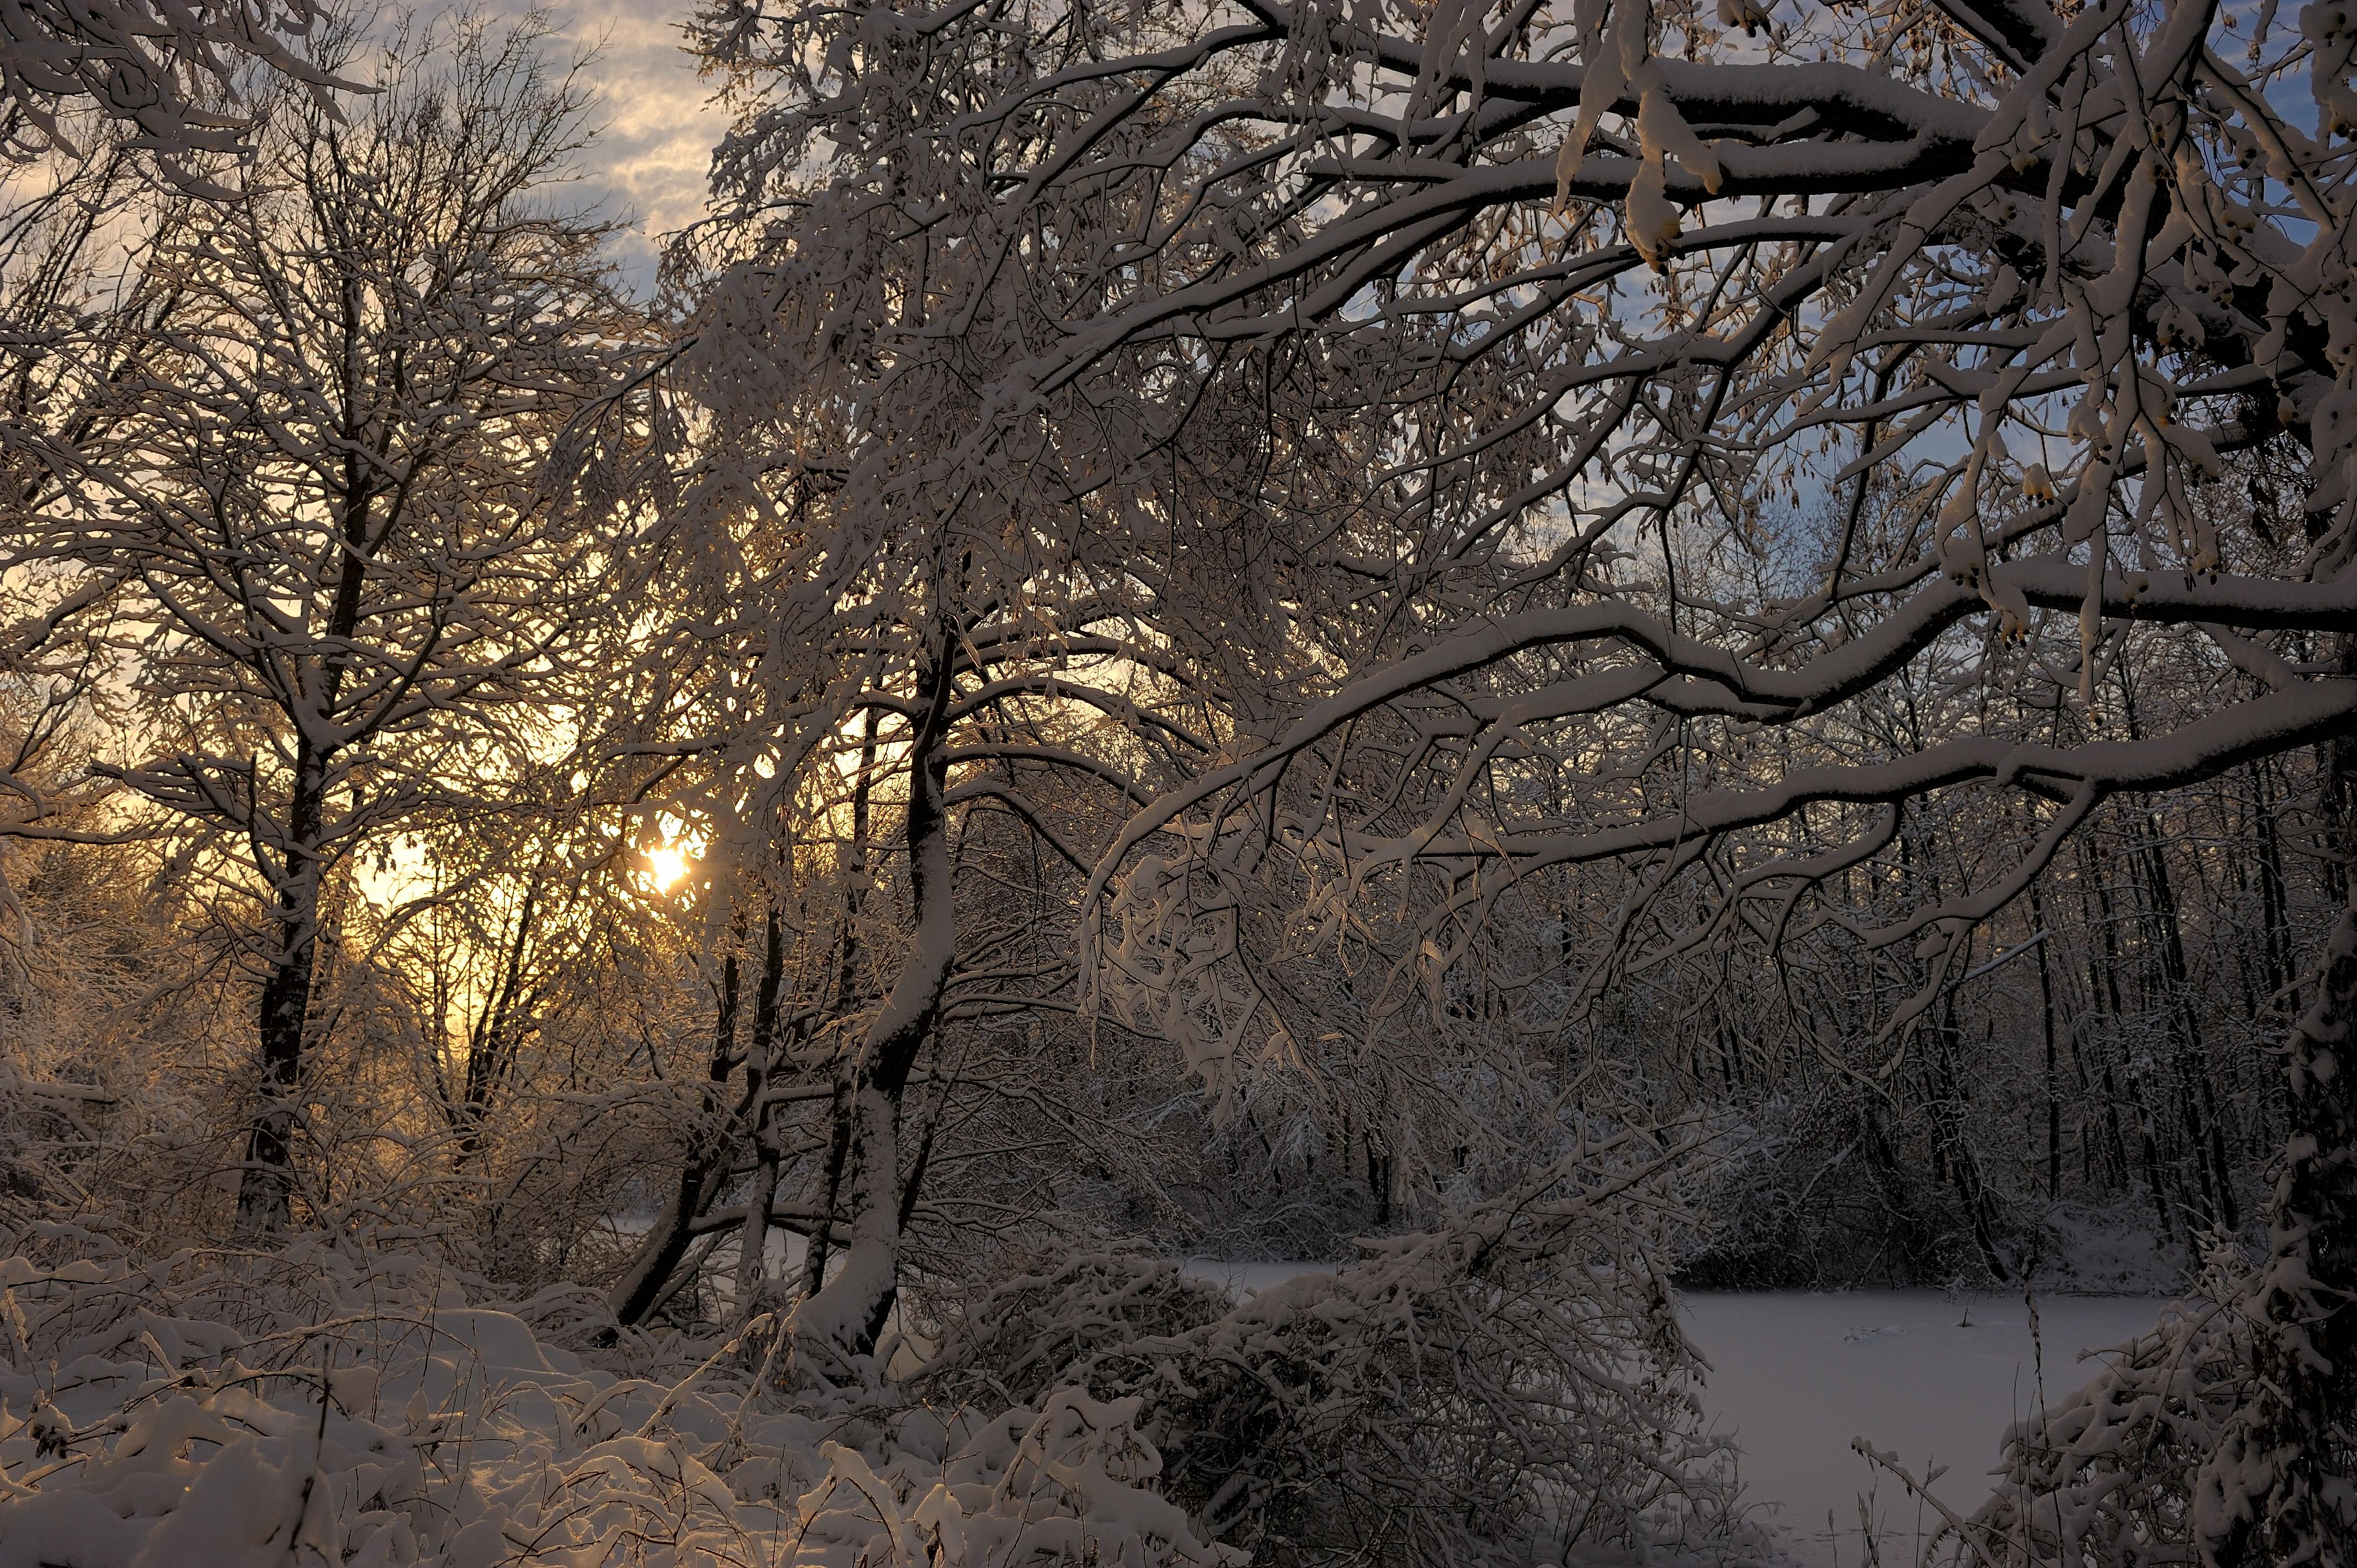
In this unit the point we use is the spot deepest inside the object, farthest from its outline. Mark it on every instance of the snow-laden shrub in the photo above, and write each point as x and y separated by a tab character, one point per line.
1052	1316
329	1406
2109	1474
1508	1385
1511	1382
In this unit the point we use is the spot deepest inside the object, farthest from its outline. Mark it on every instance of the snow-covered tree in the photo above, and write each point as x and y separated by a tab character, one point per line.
162	71
898	746
309	506
1606	636
1623	436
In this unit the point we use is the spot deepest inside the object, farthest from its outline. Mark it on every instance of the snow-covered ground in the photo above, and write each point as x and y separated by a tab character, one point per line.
1795	1376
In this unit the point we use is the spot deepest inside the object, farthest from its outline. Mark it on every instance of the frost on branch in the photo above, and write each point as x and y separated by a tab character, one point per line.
1170	972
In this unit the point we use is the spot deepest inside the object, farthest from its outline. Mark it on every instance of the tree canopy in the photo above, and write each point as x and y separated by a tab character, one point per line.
1543	645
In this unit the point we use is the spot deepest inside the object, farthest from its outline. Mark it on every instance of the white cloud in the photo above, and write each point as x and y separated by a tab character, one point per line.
651	161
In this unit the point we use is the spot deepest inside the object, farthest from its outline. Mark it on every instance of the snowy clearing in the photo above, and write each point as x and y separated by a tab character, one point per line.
1796	1375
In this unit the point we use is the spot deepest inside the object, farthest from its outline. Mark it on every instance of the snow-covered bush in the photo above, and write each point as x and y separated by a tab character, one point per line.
1826	1191
2122	1472
2106	1474
1514	1379
1817	1195
334	1405
1048	1318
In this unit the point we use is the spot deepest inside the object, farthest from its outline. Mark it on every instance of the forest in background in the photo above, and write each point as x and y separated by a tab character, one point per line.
1553	657
525	1007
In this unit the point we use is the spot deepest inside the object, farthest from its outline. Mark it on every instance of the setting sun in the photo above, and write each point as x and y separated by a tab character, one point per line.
666	866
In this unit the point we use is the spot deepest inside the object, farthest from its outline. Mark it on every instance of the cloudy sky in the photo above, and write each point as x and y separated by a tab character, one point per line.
659	128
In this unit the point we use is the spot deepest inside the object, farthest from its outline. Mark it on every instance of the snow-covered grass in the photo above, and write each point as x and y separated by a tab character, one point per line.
252	1411
344	1406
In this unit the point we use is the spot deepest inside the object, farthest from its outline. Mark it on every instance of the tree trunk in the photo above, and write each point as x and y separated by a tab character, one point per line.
838	1117
842	1319
2197	1113
266	1186
2053	1076
641	1288
2155	1172
265	1189
1962	1160
492	1046
2275	898
761	1066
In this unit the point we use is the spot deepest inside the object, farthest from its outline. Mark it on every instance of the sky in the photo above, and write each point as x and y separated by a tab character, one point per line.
660	127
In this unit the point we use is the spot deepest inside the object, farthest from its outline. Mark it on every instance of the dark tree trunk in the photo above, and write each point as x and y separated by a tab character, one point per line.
266	1186
490	1053
760	1072
2275	901
2155	1172
843	1317
2196	1111
2098	990
838	1118
265	1189
706	1154
1963	1162
2053	1082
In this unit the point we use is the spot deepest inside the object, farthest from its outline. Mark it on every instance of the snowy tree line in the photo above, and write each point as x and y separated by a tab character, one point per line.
1551	652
